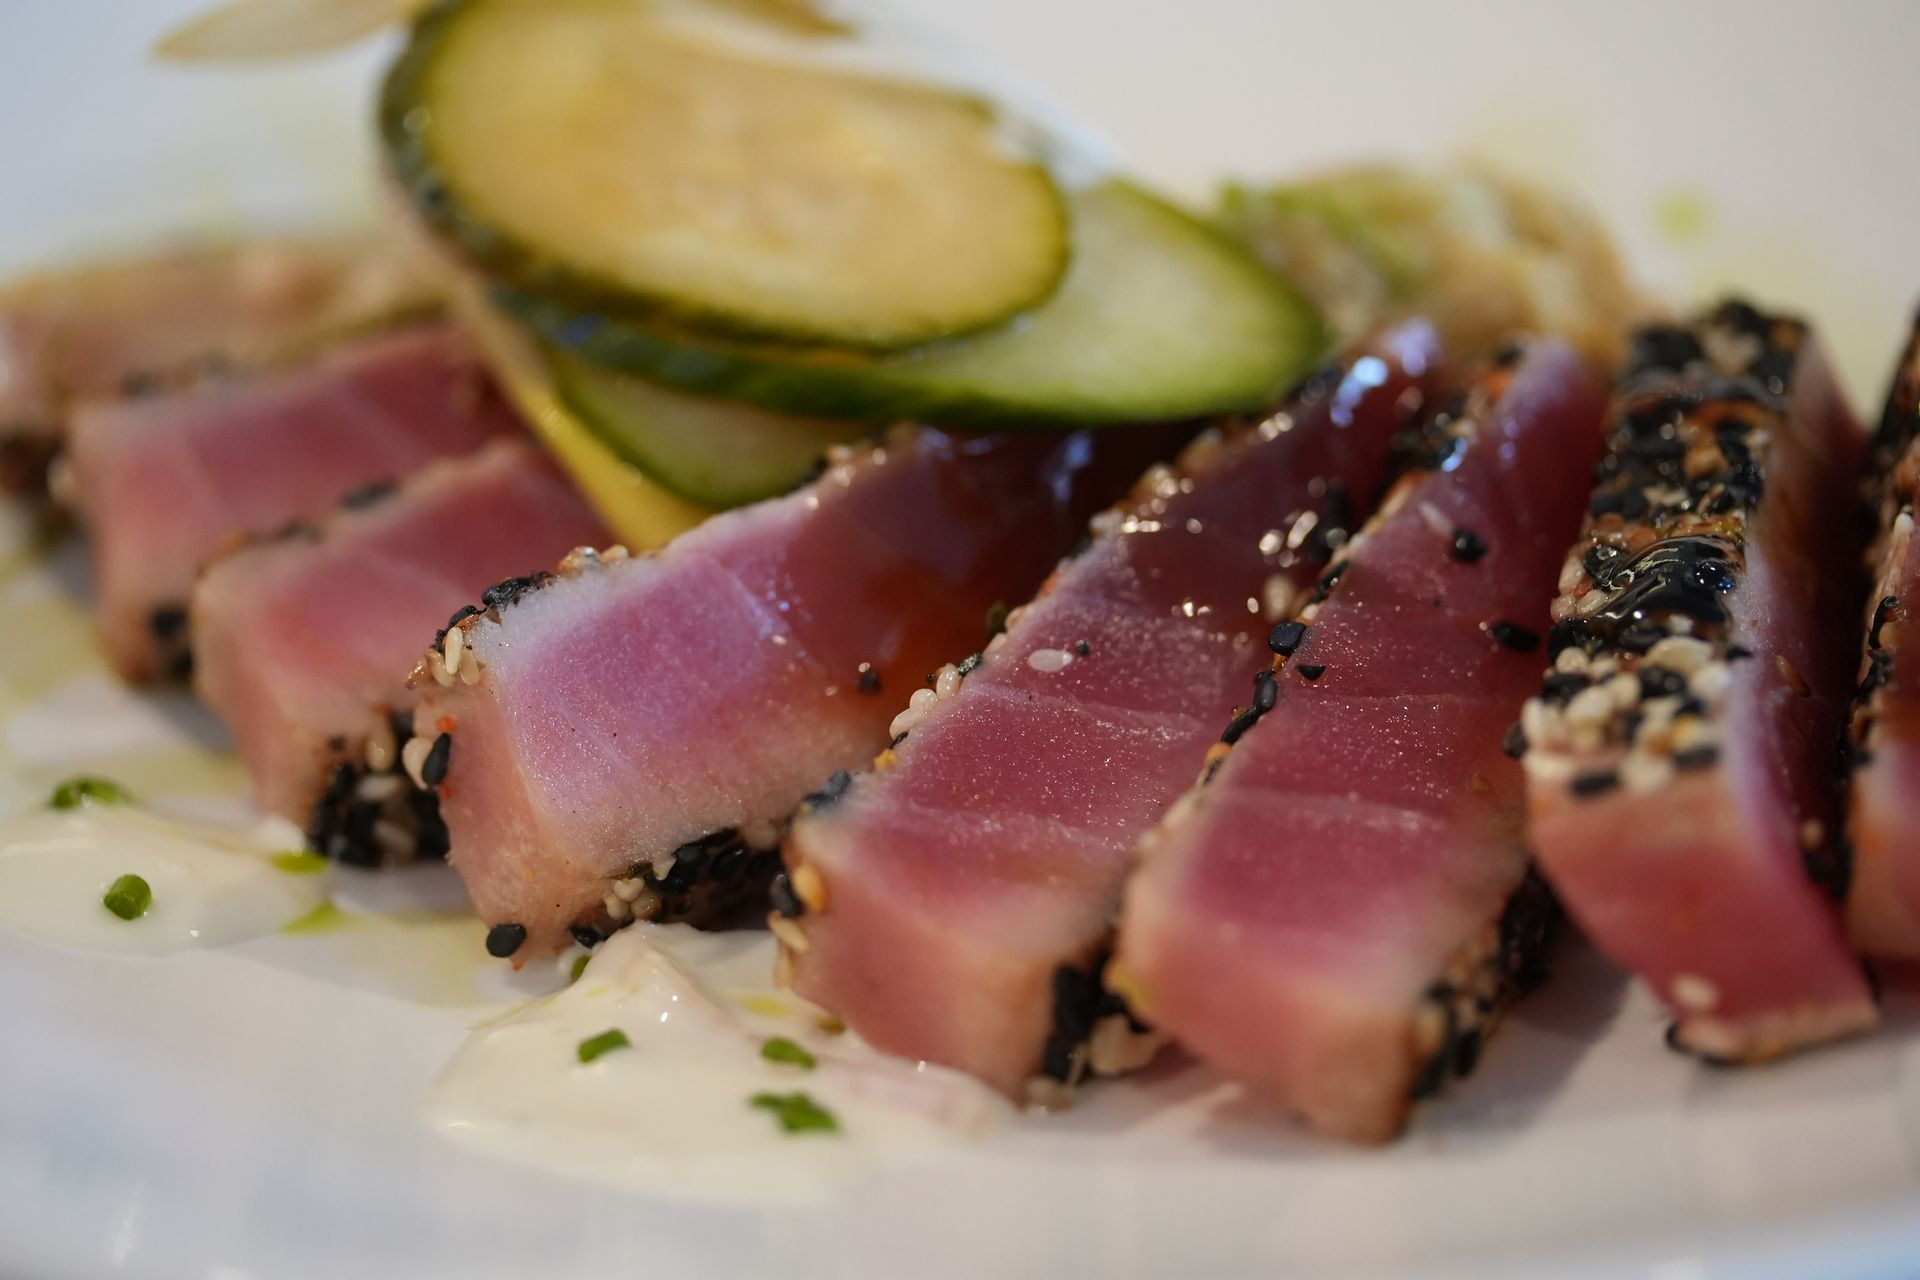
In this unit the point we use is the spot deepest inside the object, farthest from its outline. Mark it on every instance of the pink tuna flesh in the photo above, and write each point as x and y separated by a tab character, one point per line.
953	887
303	641
1334	914
1686	813
167	484
628	710
124	328
1883	900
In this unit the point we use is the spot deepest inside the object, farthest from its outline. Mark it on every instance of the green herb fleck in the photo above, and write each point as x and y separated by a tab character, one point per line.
797	1112
606	1042
781	1049
579	967
129	897
75	792
298	862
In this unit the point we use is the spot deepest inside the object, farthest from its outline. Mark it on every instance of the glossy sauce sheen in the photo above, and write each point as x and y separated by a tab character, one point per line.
990	849
641	704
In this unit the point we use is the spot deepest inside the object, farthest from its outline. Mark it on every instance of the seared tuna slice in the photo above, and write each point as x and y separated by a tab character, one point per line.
956	902
166	484
303	641
1681	757
625	739
1883	900
134	327
1339	910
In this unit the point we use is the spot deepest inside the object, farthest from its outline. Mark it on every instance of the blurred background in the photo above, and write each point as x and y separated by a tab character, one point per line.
1762	144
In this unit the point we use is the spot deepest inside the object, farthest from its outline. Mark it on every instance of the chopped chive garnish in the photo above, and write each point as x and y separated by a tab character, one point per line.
579	967
129	897
606	1042
298	862
75	792
797	1112
781	1049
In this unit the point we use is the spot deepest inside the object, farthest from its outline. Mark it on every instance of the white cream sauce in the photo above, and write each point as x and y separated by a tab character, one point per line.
211	884
670	1115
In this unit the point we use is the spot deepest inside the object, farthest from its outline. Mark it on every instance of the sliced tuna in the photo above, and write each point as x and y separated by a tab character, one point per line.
1883	901
1337	912
165	484
136	326
637	729
956	902
303	640
1682	756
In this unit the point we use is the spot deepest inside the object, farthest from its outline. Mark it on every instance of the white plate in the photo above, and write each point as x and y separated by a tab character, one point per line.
255	1111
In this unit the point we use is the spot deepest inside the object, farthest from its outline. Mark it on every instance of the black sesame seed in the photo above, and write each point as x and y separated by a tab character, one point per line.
1560	686
368	495
1082	648
433	770
1881	612
1515	743
1512	635
830	790
780	893
1311	670
1593	784
505	939
1286	637
869	681
969	664
1468	546
586	935
1703	757
1265	692
168	621
1660	682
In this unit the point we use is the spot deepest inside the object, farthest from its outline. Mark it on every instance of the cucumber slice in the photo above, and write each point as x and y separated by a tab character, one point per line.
1160	318
718	453
609	153
642	513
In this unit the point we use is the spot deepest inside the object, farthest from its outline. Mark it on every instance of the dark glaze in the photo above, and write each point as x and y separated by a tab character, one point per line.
1685	576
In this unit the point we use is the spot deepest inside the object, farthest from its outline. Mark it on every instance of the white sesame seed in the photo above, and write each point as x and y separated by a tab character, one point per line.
947	683
380	745
761	833
1680	653
1591	603
1690	732
1571	660
1545	766
1591	706
439	671
790	934
1049	661
1542	725
616	906
1695	993
395	841
454	648
1642	771
662	865
378	787
1624	690
413	757
628	888
1711	682
1115	1048
1572	574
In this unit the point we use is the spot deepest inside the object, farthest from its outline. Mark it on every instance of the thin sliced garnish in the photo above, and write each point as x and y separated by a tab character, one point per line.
249	30
781	1049
796	1112
606	1042
128	897
76	793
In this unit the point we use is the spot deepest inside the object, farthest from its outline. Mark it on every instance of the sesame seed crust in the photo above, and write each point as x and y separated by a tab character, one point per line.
1643	642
